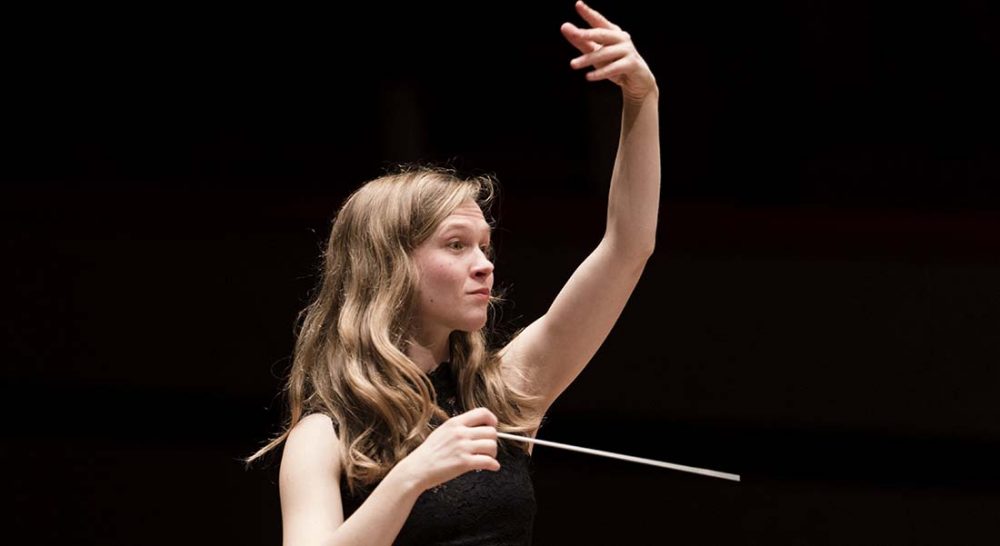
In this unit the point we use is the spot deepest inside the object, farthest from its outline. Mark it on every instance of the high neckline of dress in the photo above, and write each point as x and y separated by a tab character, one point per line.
438	368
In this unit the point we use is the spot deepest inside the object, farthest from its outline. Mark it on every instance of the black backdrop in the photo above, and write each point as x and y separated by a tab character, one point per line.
820	316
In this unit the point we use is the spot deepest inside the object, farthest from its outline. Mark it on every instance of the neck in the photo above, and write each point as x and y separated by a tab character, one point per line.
428	353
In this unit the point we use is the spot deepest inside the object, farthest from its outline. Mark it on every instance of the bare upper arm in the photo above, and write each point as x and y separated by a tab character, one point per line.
553	350
309	482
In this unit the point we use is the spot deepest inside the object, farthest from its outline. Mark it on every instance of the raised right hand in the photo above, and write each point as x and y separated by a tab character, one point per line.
465	442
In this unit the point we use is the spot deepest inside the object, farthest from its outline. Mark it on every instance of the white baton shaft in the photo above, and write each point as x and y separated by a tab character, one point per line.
682	468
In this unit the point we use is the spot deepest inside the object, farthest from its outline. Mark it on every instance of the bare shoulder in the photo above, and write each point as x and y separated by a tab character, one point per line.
518	374
309	480
513	370
515	375
312	442
315	426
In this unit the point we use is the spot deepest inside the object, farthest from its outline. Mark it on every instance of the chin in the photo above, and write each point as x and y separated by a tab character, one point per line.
475	327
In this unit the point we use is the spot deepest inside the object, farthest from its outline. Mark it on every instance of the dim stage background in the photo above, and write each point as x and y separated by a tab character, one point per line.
821	314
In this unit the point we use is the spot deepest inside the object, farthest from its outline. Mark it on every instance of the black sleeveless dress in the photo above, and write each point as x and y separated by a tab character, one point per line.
476	508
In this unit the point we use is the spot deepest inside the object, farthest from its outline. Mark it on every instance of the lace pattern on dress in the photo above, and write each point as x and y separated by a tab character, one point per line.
496	508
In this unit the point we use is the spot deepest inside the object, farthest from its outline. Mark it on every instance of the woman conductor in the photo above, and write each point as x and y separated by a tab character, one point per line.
395	398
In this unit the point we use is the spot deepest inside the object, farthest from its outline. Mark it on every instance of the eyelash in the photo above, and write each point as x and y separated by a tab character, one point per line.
488	250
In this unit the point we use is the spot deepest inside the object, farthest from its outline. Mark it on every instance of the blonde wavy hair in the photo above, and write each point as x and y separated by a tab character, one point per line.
349	360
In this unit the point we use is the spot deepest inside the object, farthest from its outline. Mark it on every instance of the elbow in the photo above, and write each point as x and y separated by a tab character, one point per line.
649	248
635	249
644	251
638	255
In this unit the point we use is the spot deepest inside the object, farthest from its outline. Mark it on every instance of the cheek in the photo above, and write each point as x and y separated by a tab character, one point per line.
440	279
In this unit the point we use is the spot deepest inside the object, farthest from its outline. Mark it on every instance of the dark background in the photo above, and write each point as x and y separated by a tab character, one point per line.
820	316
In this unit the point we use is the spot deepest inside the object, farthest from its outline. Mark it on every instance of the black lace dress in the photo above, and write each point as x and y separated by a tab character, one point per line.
476	508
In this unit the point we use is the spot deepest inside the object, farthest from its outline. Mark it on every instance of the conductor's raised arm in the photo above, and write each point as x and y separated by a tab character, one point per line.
553	350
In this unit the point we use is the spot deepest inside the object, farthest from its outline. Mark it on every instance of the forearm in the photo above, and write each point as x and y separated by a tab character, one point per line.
634	198
379	519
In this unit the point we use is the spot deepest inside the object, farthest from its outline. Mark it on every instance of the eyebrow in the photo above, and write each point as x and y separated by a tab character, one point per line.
464	225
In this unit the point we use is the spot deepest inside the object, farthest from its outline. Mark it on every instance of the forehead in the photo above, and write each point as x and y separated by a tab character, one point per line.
467	215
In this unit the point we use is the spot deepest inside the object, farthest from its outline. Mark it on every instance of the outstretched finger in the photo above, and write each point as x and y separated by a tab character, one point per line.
591	15
611	70
579	40
601	57
603	36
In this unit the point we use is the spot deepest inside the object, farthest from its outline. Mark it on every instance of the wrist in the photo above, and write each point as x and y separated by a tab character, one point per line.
406	480
652	95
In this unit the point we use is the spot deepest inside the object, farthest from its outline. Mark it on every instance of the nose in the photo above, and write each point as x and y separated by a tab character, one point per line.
483	266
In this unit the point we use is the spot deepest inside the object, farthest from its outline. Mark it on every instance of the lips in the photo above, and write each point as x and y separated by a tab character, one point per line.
484	291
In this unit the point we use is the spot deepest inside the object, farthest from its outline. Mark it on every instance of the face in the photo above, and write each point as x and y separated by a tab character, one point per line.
453	264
